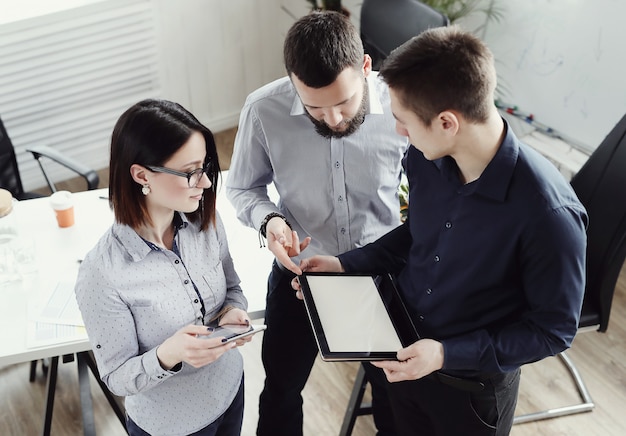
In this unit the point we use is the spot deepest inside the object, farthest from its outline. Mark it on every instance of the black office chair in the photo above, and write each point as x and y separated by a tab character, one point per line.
601	187
9	172
387	24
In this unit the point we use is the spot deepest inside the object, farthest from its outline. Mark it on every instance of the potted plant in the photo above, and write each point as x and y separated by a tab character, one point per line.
457	9
328	5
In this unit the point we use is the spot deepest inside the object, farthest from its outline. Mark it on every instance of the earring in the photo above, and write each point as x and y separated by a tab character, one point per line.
145	190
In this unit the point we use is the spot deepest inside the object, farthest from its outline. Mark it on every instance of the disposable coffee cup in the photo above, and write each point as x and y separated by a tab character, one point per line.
63	205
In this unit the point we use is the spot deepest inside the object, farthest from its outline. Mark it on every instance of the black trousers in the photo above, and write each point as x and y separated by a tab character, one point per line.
431	408
288	353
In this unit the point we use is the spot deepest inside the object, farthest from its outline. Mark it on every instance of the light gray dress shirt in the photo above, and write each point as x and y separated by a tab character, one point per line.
340	191
132	297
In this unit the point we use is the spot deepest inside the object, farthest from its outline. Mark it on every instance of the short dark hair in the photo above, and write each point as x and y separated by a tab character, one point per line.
149	133
442	69
319	46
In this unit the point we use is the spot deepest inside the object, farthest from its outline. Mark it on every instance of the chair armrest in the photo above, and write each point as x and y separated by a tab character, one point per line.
90	176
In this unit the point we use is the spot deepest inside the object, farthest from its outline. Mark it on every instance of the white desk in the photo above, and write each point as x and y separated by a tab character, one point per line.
57	254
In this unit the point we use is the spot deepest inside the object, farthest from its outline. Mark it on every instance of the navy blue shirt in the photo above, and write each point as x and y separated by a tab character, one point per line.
494	269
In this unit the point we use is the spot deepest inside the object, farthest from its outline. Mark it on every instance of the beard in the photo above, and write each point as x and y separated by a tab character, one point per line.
352	125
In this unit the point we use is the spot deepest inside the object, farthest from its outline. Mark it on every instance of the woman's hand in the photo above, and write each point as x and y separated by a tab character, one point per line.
237	316
190	345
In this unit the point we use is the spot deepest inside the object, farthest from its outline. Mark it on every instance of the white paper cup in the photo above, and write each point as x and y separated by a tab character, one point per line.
63	205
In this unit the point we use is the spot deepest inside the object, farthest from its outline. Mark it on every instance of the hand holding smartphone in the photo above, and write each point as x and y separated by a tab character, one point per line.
232	332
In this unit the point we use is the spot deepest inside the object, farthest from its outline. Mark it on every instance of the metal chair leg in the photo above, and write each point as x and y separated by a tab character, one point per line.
355	406
51	385
585	406
116	403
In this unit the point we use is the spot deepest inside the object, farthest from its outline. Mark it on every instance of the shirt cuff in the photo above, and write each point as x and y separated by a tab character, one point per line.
153	366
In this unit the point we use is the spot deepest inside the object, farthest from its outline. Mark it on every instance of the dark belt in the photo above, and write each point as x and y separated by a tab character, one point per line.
463	384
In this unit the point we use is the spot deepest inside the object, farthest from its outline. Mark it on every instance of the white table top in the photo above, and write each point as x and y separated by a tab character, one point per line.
58	251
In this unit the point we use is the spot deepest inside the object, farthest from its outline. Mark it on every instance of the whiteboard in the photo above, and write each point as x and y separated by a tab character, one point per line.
564	61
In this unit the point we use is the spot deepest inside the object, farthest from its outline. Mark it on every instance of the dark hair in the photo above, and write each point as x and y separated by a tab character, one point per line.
319	46
149	133
443	69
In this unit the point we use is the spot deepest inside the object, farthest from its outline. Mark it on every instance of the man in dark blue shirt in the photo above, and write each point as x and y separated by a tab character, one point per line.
491	261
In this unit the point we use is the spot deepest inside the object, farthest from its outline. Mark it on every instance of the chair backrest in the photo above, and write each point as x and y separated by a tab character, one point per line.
387	24
9	171
601	187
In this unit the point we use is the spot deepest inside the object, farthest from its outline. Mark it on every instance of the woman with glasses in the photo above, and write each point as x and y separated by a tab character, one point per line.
161	276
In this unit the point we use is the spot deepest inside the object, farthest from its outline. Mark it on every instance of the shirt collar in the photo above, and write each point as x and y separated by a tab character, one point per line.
374	105
134	244
495	180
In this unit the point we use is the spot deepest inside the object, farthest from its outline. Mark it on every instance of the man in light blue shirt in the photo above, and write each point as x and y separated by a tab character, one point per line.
325	137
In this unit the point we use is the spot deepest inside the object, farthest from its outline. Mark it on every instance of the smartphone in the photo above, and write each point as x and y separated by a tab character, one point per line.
232	332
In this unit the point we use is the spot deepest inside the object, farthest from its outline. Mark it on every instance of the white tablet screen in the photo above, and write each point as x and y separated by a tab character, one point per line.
352	314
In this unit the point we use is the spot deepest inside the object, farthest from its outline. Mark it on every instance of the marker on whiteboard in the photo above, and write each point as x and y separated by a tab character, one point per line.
529	118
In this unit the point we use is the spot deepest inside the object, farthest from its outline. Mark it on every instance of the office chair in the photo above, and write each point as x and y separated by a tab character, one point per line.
601	187
9	172
386	24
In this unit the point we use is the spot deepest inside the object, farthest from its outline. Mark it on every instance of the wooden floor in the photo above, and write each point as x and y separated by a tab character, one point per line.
600	357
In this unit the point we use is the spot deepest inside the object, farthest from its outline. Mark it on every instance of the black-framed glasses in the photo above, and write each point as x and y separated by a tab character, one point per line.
193	177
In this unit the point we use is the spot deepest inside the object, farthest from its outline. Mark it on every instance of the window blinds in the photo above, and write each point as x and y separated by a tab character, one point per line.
66	77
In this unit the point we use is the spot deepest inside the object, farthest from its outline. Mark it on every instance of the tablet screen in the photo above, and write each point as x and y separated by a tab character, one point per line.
352	314
356	316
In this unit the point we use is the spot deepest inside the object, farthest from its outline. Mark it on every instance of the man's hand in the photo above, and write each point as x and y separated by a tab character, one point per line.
316	264
414	362
284	243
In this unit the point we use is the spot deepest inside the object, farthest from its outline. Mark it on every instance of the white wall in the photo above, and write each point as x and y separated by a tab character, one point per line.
563	61
214	52
209	55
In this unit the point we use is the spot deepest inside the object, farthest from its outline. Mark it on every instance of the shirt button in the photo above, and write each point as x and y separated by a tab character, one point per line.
448	224
436	258
195	301
98	346
421	318
186	282
337	164
177	261
340	198
429	291
343	230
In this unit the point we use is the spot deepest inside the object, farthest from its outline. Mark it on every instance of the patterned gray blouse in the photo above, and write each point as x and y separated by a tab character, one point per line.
133	296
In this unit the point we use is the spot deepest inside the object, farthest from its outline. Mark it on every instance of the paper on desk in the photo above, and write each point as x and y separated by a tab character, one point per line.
61	307
41	334
58	319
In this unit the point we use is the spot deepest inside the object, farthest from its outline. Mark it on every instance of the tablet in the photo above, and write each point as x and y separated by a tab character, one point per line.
356	316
